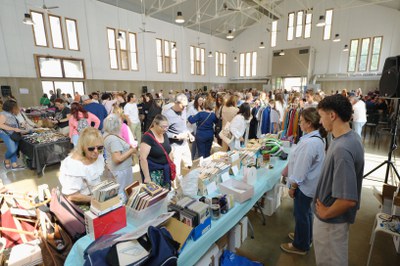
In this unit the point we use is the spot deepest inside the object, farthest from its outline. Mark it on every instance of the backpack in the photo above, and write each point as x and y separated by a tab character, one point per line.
82	124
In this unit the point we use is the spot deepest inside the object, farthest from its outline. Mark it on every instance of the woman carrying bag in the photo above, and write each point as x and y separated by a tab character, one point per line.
155	152
239	126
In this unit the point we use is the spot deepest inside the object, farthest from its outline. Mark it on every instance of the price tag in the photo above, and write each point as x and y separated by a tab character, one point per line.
225	176
211	188
235	170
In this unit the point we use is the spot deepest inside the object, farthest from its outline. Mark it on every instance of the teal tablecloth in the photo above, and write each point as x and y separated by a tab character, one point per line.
194	250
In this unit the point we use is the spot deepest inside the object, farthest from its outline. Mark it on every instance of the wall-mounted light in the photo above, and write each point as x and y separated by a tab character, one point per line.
235	59
179	18
28	19
337	38
345	48
120	38
262	46
230	35
282	53
321	21
174	47
210	54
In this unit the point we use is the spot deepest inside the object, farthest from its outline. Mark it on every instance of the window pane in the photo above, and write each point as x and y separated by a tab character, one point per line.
307	29
328	24
290	29
197	53
203	71
216	64
192	60
241	65
224	62
47	86
167	48
364	54
113	59
299	24
39	30
124	60
50	67
79	87
353	55
56	32
376	52
248	64
73	68
65	86
254	64
174	68
112	48
111	38
132	46
72	34
122	43
274	32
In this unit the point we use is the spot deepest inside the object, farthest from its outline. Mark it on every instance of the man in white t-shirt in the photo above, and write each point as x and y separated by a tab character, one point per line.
359	114
310	100
131	110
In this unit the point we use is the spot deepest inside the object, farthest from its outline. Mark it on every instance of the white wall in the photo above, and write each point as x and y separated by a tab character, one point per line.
93	17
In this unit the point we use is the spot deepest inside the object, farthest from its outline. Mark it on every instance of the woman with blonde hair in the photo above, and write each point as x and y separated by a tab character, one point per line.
84	166
228	113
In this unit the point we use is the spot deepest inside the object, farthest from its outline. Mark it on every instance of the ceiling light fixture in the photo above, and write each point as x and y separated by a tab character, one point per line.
321	21
337	38
28	19
262	46
179	18
120	38
282	53
230	35
210	54
345	48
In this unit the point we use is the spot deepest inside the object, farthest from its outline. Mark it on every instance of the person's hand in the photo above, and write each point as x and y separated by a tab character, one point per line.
182	136
291	192
241	139
191	137
18	130
147	180
321	210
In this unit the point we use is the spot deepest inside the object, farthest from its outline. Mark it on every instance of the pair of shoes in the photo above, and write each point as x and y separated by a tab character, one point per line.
289	248
291	236
7	165
18	167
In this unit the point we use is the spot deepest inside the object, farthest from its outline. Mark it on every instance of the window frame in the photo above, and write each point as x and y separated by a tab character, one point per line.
357	51
243	64
220	64
76	33
116	47
44	27
135	52
274	33
120	50
292	27
372	53
55	80
367	55
61	58
307	24
51	31
301	25
197	65
330	25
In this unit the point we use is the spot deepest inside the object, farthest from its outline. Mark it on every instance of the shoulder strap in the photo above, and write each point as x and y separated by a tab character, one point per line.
204	120
162	147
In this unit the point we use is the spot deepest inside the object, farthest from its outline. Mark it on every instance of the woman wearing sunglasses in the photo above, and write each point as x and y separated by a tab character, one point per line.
84	166
118	153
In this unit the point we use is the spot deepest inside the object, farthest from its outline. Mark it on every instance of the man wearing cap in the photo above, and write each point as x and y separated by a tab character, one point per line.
95	108
178	133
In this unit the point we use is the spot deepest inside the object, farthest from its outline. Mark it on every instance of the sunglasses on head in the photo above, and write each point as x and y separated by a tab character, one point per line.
99	148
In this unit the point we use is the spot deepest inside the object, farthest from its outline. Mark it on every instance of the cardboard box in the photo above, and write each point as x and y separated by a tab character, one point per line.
179	231
96	226
235	238
101	206
222	243
244	223
240	190
201	229
210	258
272	200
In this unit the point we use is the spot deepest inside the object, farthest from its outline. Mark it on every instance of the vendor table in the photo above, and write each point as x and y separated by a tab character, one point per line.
42	154
194	250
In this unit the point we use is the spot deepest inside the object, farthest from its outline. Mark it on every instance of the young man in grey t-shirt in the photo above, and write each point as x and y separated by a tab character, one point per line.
337	198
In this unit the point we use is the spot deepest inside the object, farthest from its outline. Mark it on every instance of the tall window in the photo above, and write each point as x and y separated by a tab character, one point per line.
299	24
133	50
69	87
375	53
220	64
197	61
353	55
166	56
274	32
39	29
123	50
59	67
328	24
307	28
112	48
364	52
56	32
72	34
248	64
290	28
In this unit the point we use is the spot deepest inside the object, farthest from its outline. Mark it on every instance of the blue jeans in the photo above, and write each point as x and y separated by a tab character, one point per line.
12	147
204	146
357	127
304	221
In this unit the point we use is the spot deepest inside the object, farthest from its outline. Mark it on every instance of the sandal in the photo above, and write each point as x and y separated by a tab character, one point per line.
7	165
18	167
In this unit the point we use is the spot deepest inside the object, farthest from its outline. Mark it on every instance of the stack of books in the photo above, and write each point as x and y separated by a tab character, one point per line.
105	198
145	195
190	211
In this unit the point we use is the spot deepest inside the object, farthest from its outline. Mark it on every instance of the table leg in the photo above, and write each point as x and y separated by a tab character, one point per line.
372	247
251	229
258	206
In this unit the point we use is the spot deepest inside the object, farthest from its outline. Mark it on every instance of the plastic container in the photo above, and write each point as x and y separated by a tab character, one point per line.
138	218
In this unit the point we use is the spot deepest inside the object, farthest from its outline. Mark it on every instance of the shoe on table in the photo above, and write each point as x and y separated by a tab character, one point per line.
289	248
291	236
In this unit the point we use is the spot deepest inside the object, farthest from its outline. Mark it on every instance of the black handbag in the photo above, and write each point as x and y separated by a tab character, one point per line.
16	136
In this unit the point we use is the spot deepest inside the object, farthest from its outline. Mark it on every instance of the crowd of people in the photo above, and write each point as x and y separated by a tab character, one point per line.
110	132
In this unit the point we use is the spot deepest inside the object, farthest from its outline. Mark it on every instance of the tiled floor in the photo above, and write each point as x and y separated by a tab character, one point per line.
265	246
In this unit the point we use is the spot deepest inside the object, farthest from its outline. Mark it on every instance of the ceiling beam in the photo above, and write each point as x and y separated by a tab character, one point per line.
160	9
210	19
268	9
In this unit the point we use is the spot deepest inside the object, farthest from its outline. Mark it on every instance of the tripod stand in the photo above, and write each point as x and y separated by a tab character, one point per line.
393	146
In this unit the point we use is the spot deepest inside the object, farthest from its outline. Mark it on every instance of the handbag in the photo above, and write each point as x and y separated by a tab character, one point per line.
218	125
171	164
16	136
225	134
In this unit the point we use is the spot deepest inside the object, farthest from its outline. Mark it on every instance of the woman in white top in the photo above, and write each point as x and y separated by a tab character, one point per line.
239	125
84	166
